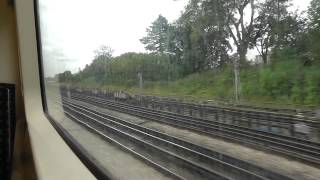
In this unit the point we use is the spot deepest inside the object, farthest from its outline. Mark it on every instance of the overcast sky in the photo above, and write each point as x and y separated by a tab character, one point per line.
72	29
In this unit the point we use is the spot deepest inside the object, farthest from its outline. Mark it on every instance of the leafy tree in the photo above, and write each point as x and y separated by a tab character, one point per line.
156	38
65	76
313	38
267	26
99	66
193	54
189	42
215	34
314	14
231	14
104	52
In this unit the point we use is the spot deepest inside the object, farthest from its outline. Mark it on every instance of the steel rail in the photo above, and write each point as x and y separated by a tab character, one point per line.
296	141
162	169
211	158
299	143
263	115
222	131
244	106
150	149
260	117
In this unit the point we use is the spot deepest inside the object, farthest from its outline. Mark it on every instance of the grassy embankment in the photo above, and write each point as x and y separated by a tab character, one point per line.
281	84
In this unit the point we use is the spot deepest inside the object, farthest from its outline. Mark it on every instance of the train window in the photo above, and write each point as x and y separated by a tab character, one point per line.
186	89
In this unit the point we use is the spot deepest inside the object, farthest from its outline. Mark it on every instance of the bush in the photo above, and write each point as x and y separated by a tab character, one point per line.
313	86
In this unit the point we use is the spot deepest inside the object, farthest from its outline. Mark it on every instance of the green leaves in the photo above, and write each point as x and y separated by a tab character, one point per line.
104	52
156	39
314	14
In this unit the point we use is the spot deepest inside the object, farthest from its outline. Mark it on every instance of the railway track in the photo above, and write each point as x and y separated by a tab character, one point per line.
228	103
273	122
194	161
256	114
232	116
269	122
93	128
306	151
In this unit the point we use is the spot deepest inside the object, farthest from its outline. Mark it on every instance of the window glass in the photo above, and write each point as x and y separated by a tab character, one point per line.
187	89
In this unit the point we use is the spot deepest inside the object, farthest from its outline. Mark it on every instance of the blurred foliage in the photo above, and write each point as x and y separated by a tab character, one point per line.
191	56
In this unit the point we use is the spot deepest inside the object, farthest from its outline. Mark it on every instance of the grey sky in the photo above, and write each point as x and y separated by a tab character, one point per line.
73	29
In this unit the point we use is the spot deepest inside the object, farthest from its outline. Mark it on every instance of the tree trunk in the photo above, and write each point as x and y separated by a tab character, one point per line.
265	59
240	60
237	79
242	55
140	80
266	55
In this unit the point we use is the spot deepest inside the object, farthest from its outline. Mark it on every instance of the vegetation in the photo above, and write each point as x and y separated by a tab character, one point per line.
204	54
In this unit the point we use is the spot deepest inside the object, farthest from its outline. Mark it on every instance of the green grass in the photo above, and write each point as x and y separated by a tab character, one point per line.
269	86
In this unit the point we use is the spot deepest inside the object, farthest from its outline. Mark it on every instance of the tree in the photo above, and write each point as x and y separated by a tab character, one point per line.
99	67
156	38
273	15
231	15
65	76
314	32
215	34
193	54
314	14
220	20
104	52
292	27
187	41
